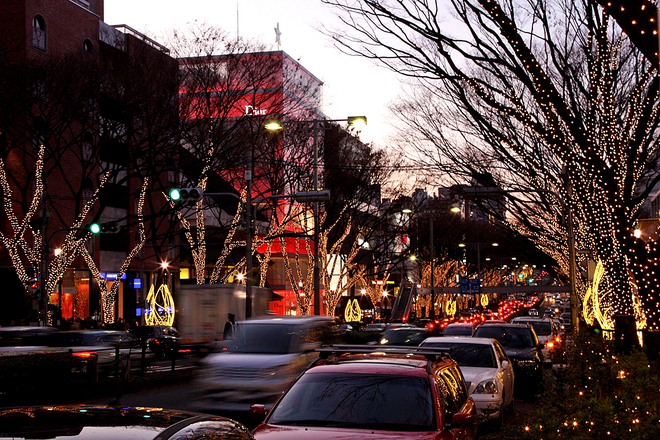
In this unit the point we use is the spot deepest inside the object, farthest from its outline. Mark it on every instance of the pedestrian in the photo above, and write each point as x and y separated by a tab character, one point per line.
229	327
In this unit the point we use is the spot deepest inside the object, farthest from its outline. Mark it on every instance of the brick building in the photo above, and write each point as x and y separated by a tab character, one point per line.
86	93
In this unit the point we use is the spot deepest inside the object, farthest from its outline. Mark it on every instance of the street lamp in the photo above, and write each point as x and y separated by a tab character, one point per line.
478	247
276	124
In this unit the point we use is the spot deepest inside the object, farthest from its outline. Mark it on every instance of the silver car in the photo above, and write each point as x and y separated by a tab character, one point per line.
264	357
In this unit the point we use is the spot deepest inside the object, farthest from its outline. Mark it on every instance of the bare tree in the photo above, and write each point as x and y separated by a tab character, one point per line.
547	98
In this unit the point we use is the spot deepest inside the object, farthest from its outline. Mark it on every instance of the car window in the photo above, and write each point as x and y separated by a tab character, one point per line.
507	336
363	401
501	354
469	355
265	338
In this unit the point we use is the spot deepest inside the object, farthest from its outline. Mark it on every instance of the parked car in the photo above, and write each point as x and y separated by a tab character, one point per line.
163	341
533	312
404	336
546	331
265	355
523	348
458	329
85	422
487	370
401	393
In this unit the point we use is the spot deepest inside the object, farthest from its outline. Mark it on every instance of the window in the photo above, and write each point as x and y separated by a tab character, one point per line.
39	32
88	46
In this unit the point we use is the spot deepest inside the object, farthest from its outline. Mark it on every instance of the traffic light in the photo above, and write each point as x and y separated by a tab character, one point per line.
186	195
104	228
34	288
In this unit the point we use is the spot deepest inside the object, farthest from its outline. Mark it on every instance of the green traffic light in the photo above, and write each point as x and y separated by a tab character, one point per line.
175	194
95	228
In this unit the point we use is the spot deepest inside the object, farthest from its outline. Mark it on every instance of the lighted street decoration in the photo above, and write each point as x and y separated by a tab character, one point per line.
353	313
160	306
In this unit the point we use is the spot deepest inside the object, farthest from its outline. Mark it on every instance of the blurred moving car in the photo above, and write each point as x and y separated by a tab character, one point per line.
260	362
98	422
162	340
401	393
546	331
522	346
375	327
458	329
404	336
104	345
487	370
22	340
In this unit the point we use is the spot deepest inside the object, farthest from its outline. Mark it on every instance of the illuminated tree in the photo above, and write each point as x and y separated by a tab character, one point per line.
545	98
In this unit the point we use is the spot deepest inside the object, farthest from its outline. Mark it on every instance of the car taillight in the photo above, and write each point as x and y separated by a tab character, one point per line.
83	354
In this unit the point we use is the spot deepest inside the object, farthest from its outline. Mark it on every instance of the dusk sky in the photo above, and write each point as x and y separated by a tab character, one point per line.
353	86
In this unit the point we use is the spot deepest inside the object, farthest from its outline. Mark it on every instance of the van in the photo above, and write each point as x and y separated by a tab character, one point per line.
263	358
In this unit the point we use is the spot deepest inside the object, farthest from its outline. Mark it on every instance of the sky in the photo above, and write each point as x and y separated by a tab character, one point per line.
353	86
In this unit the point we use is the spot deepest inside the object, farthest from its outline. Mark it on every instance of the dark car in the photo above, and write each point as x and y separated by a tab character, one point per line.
354	392
162	340
97	422
523	348
404	336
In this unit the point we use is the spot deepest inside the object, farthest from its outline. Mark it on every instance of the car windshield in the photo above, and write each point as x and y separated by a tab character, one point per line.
396	337
362	401
507	336
264	338
542	328
458	330
468	355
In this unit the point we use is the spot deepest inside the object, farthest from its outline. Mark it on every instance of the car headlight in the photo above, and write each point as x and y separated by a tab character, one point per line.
488	386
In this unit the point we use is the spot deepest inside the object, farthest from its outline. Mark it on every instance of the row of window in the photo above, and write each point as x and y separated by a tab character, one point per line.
39	34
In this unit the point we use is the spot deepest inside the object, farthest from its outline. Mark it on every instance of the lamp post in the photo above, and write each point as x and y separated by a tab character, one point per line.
276	124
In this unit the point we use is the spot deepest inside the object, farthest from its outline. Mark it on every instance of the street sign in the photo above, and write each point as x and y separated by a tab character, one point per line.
469	286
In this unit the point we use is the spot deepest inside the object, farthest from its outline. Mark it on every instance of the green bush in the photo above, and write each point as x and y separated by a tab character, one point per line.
599	395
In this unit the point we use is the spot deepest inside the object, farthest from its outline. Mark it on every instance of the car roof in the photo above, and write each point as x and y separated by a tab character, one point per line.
461	339
460	324
403	360
287	319
529	319
108	422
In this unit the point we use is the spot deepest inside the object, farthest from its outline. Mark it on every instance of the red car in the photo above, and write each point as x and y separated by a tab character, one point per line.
354	392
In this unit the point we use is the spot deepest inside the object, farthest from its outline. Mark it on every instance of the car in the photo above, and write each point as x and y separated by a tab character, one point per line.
162	340
458	329
522	346
85	422
533	312
404	336
487	370
103	345
375	327
353	392
23	340
546	331
265	355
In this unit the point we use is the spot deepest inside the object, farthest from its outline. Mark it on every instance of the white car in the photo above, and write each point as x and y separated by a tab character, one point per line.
487	370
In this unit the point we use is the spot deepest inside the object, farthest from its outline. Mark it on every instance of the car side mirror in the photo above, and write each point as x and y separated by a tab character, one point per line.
505	364
258	409
462	420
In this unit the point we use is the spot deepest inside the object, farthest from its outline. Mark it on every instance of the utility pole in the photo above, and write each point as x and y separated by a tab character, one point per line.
248	239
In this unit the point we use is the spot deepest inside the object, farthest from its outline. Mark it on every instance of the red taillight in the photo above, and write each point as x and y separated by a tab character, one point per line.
83	354
186	350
